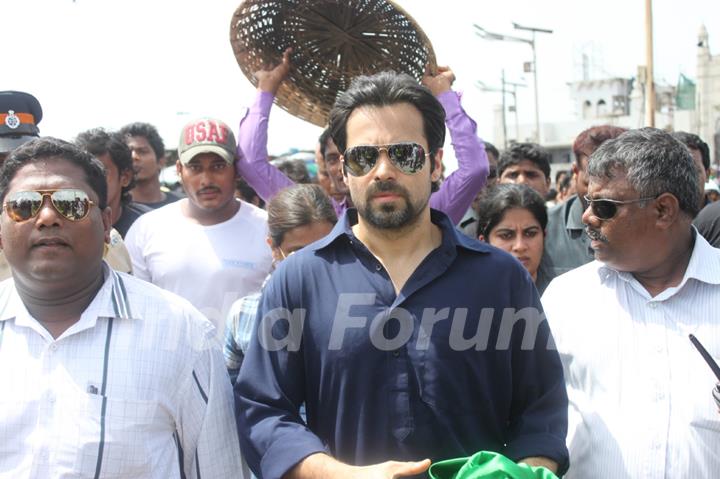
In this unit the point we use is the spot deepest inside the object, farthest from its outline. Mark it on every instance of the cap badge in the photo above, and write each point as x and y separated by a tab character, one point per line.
12	120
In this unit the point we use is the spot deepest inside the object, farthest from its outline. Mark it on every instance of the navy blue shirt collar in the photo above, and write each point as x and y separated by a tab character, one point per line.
451	237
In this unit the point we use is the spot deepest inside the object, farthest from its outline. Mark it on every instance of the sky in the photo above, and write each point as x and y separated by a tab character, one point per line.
110	62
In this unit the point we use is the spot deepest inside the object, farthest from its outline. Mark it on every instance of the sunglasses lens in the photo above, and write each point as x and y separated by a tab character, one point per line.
72	204
23	205
359	160
604	210
408	157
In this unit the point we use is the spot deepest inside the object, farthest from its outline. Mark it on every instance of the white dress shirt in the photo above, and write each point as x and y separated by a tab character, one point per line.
639	393
137	388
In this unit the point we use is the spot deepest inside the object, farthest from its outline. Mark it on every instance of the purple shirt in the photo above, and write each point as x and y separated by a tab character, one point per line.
456	192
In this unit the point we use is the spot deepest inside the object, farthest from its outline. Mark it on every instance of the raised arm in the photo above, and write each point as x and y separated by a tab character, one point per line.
252	156
458	190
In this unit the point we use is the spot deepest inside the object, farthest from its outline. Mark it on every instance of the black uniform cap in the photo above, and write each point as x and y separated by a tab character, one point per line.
20	113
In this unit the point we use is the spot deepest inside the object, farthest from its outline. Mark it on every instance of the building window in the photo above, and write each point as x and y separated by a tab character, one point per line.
602	108
587	110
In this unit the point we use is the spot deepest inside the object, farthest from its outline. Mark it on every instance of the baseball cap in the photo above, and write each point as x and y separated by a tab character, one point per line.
206	135
20	113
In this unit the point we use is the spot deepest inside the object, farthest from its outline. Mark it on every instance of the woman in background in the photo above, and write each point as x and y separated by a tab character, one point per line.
297	216
513	218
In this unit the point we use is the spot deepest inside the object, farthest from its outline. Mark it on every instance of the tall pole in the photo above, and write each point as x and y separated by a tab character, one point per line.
517	122
505	139
535	81
649	76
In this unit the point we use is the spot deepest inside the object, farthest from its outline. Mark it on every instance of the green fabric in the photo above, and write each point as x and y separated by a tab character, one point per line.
685	96
487	465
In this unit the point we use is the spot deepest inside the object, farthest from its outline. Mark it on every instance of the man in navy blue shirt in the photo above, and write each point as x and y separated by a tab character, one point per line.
406	341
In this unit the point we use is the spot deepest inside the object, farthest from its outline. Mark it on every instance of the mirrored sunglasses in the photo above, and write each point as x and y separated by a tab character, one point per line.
72	204
407	157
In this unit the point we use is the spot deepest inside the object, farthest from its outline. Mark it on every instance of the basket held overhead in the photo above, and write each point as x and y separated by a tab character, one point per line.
333	41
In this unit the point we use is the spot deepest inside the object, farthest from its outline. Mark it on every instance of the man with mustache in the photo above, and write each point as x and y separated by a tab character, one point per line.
455	193
364	326
102	375
209	247
566	244
640	395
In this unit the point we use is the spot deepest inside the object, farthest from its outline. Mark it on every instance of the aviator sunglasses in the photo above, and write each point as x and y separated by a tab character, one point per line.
71	203
605	208
407	157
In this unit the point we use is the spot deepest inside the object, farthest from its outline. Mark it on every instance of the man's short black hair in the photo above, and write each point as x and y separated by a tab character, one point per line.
695	142
99	142
149	132
47	148
491	150
531	152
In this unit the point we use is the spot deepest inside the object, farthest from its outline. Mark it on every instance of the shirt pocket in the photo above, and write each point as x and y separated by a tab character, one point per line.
122	431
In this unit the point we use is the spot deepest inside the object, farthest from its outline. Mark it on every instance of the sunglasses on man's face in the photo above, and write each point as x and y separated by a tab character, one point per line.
71	203
407	157
605	208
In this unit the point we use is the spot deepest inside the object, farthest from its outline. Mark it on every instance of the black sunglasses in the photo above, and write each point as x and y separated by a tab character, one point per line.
407	157
71	203
605	208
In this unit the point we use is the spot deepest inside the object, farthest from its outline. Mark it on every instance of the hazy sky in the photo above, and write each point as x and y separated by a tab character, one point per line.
110	62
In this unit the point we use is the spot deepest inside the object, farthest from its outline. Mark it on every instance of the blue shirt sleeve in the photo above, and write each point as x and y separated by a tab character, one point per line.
538	422
270	391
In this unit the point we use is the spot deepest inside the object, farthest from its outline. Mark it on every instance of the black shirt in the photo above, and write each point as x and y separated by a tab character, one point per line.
169	198
130	212
567	245
708	223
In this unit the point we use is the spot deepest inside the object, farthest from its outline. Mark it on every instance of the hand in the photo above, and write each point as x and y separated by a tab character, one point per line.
270	78
322	466
440	82
541	461
390	470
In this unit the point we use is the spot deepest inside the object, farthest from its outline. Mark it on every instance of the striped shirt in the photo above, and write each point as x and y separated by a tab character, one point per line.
239	331
640	394
135	389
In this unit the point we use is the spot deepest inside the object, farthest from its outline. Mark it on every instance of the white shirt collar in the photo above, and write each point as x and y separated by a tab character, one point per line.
110	301
704	266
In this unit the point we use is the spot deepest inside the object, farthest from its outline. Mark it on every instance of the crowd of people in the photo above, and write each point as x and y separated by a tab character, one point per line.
378	321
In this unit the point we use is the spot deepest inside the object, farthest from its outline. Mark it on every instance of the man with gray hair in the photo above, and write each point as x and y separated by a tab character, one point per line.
640	402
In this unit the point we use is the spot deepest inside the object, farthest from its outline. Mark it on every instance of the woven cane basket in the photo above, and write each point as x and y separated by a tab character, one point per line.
333	41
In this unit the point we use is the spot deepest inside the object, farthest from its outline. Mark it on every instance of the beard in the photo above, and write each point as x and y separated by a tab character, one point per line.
391	215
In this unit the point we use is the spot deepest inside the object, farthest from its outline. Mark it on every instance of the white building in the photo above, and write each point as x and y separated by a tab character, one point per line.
708	96
621	102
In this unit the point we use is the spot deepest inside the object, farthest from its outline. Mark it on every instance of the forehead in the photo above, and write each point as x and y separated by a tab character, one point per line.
525	165
379	125
617	187
48	174
206	159
517	217
330	148
137	142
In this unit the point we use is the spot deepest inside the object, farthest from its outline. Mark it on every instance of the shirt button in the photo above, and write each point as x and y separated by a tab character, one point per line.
652	305
53	347
378	267
396	354
51	398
